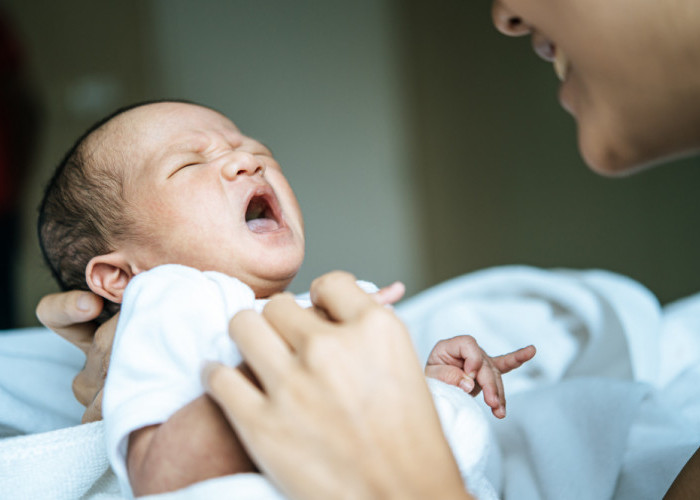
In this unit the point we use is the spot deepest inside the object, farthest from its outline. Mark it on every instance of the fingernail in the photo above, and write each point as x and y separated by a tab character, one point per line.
85	302
466	384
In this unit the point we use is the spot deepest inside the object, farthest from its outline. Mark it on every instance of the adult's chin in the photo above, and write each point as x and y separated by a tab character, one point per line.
616	141
609	150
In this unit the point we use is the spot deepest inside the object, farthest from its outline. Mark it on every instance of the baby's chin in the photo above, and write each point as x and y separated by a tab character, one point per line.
266	286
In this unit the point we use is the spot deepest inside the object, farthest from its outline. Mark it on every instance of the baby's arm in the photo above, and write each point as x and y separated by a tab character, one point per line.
195	444
460	361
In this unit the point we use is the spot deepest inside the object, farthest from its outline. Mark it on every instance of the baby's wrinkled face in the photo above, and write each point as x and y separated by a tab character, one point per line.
204	195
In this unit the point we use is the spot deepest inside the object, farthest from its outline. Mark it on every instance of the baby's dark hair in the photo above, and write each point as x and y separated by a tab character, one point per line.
83	211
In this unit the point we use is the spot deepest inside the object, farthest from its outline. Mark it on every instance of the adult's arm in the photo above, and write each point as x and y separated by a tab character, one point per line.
687	484
343	409
71	315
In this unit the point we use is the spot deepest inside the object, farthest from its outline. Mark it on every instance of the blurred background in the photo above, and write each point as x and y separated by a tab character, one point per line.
420	142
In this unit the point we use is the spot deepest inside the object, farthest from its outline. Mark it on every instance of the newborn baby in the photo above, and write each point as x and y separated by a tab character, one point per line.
168	210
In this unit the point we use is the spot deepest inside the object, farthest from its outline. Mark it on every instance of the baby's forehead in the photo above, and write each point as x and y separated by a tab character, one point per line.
153	125
107	143
145	133
175	114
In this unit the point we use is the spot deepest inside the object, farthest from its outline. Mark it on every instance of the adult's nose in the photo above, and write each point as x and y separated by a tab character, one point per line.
241	163
507	22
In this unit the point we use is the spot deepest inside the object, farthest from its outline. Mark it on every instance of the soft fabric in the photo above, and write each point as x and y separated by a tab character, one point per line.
36	372
607	409
64	464
465	424
173	319
462	420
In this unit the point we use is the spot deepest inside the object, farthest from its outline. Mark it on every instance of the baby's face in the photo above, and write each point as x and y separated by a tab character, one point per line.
206	196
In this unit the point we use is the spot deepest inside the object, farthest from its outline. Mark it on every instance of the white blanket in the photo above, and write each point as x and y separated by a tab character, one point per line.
607	409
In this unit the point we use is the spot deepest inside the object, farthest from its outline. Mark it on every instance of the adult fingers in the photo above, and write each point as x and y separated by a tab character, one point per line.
93	412
262	348
70	315
340	297
84	388
291	322
101	349
233	391
91	378
515	359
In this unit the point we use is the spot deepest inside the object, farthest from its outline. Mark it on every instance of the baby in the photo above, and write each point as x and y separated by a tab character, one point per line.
169	210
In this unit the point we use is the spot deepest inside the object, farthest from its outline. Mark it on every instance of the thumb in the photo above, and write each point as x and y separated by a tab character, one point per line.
450	375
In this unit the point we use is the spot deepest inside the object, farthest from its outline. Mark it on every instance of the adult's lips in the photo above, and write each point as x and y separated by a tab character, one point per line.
548	51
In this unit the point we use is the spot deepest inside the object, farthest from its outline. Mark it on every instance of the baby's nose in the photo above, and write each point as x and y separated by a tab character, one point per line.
241	163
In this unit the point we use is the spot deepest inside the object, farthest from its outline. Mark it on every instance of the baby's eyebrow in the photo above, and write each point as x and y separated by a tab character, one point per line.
170	154
188	146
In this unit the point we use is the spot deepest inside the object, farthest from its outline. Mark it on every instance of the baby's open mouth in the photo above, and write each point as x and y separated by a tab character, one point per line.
262	214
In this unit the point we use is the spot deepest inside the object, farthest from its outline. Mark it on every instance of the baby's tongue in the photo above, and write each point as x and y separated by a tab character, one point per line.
262	225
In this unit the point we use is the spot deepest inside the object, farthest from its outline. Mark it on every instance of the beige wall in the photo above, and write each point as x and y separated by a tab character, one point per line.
85	59
316	80
421	143
502	180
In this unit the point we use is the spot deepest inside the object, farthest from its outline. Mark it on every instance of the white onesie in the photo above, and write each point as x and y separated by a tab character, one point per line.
173	318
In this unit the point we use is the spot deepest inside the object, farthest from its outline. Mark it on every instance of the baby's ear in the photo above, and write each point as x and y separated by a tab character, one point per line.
107	275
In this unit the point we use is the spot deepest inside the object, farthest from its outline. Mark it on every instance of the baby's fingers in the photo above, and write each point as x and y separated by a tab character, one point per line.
390	294
490	381
514	360
450	375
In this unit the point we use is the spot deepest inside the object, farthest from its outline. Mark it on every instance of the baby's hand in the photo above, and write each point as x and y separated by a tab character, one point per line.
460	361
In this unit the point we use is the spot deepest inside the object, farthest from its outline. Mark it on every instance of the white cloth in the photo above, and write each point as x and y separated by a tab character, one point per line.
173	318
51	456
466	428
462	420
609	407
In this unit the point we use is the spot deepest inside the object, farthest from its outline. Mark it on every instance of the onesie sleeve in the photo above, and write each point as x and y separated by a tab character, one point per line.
173	318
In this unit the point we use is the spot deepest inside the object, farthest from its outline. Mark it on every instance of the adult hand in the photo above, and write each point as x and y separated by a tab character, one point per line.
71	315
343	409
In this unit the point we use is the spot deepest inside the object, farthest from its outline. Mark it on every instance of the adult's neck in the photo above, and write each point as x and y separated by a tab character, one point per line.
683	70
